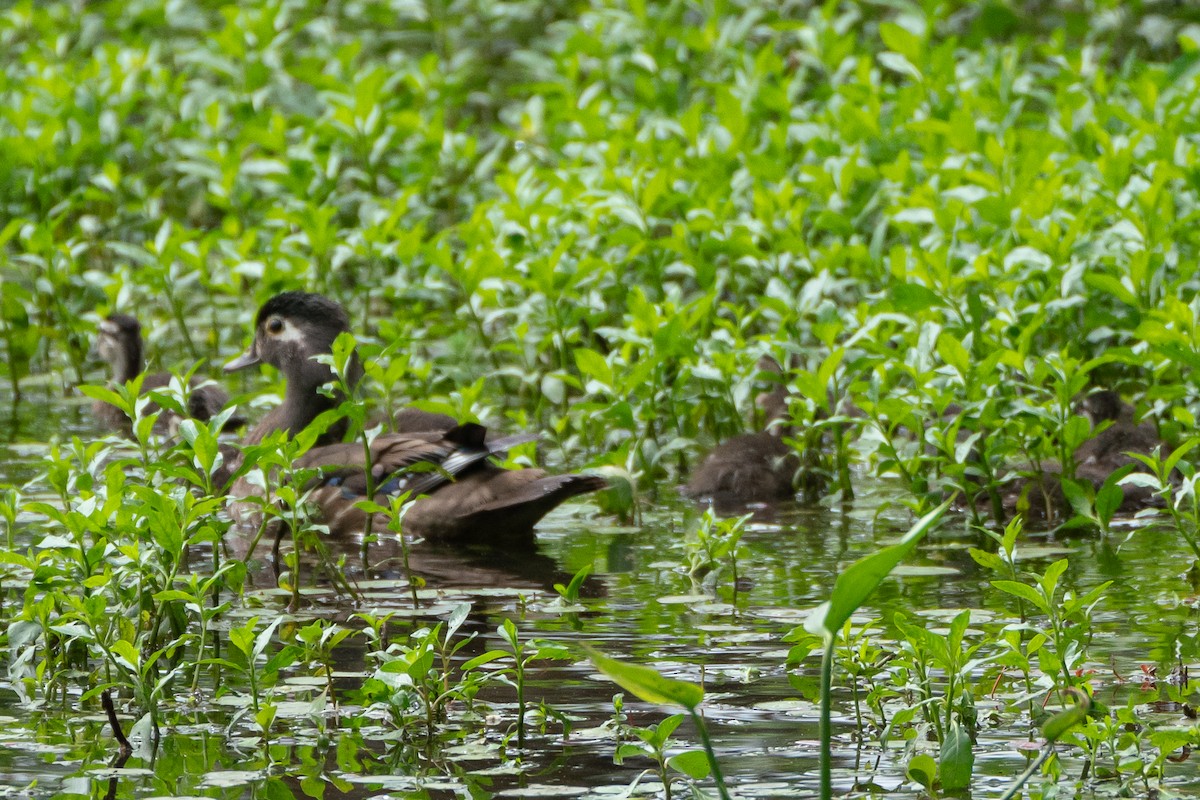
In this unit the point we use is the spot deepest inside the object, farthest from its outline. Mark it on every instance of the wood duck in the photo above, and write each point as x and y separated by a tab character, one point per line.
119	344
467	497
751	467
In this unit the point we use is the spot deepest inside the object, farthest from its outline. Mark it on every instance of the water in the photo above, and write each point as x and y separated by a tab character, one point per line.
639	604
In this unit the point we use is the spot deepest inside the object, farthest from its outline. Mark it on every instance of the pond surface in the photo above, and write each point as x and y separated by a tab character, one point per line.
638	604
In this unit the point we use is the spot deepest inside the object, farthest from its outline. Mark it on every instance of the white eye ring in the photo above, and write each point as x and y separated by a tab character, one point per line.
275	325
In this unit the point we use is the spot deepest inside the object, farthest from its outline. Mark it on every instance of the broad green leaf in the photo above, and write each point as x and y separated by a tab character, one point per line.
954	354
911	298
485	658
1058	725
693	763
646	682
1026	593
956	760
923	770
592	365
987	560
1111	495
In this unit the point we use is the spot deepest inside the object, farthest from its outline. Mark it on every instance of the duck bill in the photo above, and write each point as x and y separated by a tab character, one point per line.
246	359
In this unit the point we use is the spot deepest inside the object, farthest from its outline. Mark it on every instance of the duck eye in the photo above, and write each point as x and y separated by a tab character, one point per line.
275	325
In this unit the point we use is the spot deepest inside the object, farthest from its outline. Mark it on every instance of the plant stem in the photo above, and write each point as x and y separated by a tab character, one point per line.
824	733
1028	773
712	756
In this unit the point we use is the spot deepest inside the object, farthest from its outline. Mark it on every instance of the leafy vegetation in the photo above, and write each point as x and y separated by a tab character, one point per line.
592	219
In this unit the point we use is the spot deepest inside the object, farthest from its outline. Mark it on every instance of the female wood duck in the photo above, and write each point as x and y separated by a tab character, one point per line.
119	344
751	467
468	497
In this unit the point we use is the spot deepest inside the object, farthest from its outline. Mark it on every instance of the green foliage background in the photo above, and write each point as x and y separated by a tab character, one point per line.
593	216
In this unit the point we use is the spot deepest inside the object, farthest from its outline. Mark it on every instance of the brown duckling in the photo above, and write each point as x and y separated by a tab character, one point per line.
751	467
467	497
1117	436
1113	446
1110	447
119	344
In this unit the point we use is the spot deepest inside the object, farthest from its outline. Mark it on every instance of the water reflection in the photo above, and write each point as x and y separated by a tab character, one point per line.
437	566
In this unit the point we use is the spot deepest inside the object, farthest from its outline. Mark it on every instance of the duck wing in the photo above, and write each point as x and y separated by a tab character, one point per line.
465	495
394	456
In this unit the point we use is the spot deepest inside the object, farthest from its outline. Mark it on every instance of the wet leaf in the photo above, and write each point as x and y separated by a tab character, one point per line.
646	683
956	761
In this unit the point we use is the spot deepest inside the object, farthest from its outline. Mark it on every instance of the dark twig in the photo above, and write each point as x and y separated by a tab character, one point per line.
114	723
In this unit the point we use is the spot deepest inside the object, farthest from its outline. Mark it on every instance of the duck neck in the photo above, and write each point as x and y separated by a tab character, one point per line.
304	400
128	364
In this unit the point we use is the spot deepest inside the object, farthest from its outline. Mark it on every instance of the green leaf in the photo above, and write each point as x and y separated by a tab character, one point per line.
592	365
1178	453
286	656
957	760
420	666
664	729
911	298
104	395
127	652
856	583
987	560
1027	593
900	39
570	592
486	658
1109	285
1058	725
1110	496
954	354
923	770
646	682
693	763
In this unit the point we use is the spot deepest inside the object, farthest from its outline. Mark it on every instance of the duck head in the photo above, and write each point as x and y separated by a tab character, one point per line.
289	331
1105	404
119	344
774	402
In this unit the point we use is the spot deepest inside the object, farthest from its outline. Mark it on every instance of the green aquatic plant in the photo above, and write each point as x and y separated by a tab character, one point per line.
585	218
652	743
570	592
1066	630
713	548
1173	478
649	685
523	654
851	589
951	715
248	646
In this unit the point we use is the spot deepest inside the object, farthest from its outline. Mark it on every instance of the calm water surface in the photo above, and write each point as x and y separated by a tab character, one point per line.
639	604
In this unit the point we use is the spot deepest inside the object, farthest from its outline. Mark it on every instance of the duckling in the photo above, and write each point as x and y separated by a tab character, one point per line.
1108	450
1110	447
1113	447
751	467
468	497
119	344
